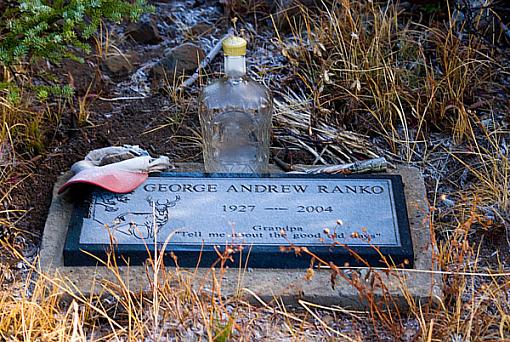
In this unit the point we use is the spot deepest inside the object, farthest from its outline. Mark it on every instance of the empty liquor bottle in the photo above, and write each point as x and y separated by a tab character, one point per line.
235	115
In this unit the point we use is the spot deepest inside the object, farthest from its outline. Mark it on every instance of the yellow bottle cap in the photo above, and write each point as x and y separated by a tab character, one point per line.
234	46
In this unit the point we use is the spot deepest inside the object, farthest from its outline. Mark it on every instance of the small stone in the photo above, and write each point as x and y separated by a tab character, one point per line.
181	59
200	29
84	77
119	64
144	31
286	11
328	319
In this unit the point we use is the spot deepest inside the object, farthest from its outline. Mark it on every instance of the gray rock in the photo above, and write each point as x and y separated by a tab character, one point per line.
290	10
85	77
200	29
178	60
144	31
119	64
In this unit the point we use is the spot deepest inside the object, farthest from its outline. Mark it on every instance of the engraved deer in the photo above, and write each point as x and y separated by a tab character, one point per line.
142	224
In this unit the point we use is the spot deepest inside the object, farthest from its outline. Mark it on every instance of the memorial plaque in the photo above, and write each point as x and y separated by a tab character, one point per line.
199	215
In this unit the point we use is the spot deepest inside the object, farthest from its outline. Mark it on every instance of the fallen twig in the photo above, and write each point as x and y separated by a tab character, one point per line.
370	165
210	56
122	98
283	165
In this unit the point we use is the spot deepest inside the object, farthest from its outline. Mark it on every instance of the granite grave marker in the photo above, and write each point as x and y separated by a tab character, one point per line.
197	215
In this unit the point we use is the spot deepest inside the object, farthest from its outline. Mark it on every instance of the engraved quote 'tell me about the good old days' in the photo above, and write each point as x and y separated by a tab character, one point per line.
273	212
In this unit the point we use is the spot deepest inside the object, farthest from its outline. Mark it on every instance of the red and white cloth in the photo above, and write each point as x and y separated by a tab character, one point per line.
116	169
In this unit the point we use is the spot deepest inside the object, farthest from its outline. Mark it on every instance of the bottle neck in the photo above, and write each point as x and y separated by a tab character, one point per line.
235	66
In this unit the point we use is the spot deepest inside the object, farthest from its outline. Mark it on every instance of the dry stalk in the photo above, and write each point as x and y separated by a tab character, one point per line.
291	125
204	63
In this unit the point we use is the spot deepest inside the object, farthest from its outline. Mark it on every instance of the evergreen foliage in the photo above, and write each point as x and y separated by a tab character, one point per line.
51	29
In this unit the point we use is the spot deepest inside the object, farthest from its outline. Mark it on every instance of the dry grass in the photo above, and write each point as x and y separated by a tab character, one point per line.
177	306
366	66
366	79
27	113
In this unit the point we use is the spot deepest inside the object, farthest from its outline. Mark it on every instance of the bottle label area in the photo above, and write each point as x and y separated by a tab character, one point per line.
236	143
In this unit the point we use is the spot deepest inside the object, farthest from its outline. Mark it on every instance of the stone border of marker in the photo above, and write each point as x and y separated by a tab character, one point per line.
288	285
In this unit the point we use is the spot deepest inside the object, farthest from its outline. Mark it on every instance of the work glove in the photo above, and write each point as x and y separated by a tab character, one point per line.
119	169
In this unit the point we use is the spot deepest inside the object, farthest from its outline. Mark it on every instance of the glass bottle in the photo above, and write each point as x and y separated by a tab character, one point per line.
235	115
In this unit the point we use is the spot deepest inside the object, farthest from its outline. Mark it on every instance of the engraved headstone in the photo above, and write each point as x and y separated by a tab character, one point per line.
339	218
